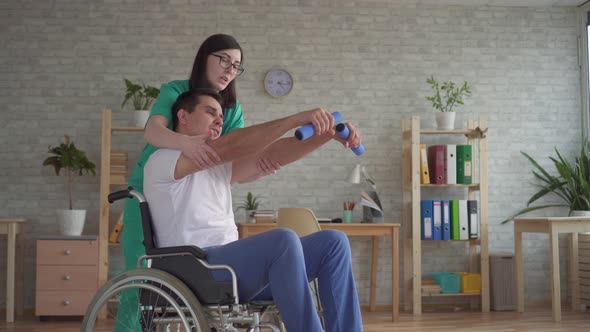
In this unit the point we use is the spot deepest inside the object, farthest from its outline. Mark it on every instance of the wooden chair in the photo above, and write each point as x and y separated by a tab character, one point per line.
303	222
300	220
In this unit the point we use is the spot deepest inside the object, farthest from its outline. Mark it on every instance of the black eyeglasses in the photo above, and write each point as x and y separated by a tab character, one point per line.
225	63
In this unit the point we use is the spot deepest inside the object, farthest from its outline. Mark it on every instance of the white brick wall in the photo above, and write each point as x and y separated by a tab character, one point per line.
63	61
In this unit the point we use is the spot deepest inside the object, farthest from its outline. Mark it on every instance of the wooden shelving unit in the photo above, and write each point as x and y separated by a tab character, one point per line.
474	135
452	295
106	181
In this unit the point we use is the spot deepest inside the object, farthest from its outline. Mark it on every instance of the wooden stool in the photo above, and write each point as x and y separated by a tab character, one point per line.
13	228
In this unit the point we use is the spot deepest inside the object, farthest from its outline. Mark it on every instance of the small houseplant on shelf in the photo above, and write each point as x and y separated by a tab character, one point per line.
250	205
446	96
73	162
572	184
141	97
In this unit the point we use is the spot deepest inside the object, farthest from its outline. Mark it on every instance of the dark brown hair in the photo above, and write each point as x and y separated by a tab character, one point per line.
189	100
198	77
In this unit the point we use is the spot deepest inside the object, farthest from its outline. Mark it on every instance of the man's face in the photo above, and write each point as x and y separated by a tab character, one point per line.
207	118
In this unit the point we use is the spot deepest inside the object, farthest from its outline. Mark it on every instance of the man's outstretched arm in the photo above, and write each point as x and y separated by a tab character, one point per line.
254	139
283	151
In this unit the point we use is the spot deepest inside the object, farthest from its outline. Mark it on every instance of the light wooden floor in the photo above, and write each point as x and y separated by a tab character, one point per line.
537	320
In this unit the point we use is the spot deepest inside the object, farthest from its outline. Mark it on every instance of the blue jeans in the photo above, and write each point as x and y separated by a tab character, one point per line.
279	265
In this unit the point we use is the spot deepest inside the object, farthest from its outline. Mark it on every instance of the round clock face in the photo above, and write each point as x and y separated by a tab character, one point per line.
278	82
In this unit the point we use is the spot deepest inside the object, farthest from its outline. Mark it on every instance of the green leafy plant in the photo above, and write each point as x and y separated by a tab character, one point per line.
251	202
572	184
72	160
141	96
447	95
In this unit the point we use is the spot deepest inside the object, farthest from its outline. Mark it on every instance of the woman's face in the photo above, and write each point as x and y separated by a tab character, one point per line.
218	76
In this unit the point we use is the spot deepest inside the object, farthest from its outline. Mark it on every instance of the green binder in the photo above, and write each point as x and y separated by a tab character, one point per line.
454	219
464	164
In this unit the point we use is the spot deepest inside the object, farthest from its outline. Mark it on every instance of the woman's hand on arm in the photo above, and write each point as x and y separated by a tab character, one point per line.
195	148
199	152
267	166
255	169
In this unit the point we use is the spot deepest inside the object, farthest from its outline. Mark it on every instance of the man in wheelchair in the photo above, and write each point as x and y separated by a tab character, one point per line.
191	206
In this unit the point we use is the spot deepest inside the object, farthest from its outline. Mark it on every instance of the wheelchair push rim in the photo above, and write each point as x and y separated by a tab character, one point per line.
165	301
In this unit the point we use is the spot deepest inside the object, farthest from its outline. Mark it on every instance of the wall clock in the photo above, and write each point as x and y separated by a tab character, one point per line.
278	82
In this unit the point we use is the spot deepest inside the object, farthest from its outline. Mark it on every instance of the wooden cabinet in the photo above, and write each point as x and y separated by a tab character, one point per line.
474	135
110	174
67	275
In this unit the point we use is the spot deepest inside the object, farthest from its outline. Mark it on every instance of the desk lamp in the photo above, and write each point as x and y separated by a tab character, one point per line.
355	176
373	212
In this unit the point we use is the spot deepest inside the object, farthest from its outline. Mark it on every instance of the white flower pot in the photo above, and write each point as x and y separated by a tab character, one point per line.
445	120
140	118
250	216
71	222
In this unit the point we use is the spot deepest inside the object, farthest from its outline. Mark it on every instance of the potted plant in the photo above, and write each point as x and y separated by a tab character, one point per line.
141	97
445	98
250	205
572	184
74	163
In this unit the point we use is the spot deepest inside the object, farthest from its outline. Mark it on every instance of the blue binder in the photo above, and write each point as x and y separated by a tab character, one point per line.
446	217
436	220
426	220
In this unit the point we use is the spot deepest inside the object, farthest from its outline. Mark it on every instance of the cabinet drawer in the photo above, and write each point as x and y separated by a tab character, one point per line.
67	277
62	303
67	252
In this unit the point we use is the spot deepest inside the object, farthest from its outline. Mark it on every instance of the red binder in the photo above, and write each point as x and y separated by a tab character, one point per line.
436	163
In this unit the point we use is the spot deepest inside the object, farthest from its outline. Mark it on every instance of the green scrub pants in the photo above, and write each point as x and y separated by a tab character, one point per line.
132	243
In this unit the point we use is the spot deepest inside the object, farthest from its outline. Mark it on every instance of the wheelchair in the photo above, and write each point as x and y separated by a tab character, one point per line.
172	289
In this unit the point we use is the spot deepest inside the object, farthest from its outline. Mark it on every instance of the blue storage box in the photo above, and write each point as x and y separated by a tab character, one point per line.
449	282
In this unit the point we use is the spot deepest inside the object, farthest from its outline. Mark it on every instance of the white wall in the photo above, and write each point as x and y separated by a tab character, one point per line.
63	61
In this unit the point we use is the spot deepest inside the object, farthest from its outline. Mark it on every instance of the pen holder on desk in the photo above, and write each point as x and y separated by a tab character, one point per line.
347	216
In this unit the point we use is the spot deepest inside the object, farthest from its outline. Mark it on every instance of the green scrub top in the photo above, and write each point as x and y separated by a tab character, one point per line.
132	237
233	117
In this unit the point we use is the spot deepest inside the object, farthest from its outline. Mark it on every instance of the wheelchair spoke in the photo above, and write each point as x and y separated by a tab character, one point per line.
154	302
147	319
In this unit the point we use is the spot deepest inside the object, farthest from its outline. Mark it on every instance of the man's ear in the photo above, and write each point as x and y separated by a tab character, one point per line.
182	116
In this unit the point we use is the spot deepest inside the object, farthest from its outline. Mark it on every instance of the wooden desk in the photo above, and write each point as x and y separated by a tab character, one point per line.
552	226
357	229
12	228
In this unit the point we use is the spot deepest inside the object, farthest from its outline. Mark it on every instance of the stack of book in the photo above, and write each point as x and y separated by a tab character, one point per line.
264	216
430	287
118	166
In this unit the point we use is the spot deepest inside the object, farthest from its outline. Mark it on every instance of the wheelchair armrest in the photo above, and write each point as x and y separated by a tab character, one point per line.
193	250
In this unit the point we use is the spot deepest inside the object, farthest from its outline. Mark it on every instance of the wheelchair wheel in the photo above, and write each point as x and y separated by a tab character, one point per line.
150	300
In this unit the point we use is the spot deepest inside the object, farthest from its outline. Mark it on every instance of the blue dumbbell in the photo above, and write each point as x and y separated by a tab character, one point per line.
343	132
308	130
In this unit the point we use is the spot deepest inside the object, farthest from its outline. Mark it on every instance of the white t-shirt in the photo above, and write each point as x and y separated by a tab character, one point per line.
195	210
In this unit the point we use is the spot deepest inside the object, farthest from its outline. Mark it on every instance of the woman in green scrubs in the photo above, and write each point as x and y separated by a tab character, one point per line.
217	63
